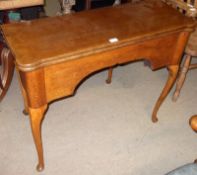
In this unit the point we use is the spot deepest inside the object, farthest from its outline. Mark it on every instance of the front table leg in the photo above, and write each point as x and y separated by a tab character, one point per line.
173	70
36	117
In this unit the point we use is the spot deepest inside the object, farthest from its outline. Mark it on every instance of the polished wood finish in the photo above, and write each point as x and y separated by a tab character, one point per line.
110	71
52	61
173	70
36	117
88	7
188	8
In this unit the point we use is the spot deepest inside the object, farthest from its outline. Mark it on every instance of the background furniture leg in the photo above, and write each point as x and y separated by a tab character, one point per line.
6	70
36	117
193	124
182	77
173	70
110	73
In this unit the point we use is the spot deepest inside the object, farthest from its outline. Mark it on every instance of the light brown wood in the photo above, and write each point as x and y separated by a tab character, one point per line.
188	8
12	4
110	71
25	110
61	46
52	61
36	117
173	70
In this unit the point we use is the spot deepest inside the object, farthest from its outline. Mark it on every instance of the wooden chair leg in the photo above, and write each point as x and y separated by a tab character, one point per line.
182	76
110	73
193	66
7	65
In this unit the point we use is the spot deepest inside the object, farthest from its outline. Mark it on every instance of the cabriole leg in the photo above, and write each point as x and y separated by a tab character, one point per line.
36	117
173	70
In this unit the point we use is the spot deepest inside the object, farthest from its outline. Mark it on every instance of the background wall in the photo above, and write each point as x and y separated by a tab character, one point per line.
52	6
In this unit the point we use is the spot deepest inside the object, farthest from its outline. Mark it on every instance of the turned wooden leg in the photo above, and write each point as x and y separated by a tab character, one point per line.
7	64
182	77
173	70
36	117
110	73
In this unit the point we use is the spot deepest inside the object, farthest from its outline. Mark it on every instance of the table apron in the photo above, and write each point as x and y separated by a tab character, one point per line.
59	80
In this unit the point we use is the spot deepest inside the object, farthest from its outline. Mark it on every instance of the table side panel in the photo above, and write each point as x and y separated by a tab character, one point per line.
33	84
62	79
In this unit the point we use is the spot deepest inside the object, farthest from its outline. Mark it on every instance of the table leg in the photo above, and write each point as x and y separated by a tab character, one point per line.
173	71
109	78
36	117
25	110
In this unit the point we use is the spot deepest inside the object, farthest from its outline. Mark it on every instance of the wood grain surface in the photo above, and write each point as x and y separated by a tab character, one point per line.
48	41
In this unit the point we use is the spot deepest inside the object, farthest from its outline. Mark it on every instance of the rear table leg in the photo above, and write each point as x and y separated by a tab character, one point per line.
109	78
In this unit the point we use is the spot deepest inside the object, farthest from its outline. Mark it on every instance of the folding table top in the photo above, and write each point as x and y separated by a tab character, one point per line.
50	40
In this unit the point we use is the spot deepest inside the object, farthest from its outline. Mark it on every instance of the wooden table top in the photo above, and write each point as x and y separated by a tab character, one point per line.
51	40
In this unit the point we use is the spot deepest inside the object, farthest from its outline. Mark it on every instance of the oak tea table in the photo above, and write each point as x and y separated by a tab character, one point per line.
53	55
